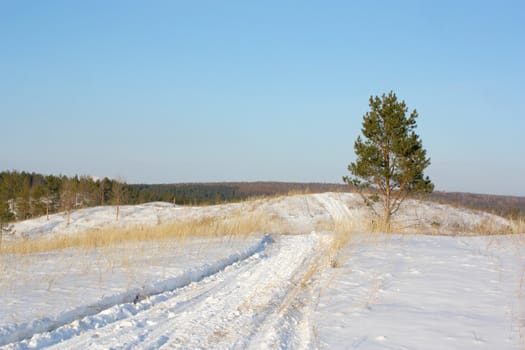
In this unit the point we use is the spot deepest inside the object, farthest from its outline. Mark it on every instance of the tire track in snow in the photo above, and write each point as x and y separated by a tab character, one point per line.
258	308
257	302
135	329
21	332
335	207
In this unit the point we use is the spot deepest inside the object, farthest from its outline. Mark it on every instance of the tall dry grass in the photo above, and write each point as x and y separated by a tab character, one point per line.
244	221
239	223
518	225
234	225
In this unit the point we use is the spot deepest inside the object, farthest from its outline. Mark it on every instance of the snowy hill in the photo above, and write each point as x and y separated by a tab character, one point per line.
300	214
270	289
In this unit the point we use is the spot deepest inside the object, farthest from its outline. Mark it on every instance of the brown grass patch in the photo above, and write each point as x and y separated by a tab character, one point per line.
234	225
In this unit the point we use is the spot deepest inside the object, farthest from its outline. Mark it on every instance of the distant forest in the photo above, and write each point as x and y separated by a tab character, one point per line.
215	193
508	206
26	195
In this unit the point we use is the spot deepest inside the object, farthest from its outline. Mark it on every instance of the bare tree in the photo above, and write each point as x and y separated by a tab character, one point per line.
68	196
118	189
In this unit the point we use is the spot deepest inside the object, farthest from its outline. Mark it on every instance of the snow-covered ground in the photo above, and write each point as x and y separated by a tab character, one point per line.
296	214
269	290
425	292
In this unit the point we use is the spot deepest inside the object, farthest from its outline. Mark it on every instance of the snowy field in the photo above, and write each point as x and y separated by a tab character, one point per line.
280	289
425	292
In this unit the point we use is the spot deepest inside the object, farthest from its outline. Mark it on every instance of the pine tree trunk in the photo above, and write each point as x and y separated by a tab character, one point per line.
387	220
388	214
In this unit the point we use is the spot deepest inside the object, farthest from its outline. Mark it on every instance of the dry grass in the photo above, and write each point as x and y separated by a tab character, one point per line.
244	221
490	227
343	233
518	225
234	225
484	227
303	191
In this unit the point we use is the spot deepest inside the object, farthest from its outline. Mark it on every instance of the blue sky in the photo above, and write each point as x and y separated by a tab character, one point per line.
172	91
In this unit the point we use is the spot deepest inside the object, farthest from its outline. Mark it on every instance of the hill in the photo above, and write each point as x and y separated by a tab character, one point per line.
199	193
328	284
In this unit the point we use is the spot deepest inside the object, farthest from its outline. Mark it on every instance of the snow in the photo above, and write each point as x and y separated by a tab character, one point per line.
298	214
271	289
410	292
105	278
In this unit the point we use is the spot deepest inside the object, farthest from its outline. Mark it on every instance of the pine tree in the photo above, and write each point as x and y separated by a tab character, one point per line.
391	158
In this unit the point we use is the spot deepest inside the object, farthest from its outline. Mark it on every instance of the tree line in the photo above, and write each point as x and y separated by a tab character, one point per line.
25	195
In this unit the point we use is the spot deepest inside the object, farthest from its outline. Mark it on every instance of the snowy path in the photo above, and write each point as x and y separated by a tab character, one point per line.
253	303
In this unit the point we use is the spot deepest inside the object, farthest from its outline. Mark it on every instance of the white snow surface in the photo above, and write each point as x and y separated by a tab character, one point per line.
425	292
269	290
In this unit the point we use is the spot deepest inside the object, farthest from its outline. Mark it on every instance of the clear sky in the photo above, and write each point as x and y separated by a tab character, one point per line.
191	91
